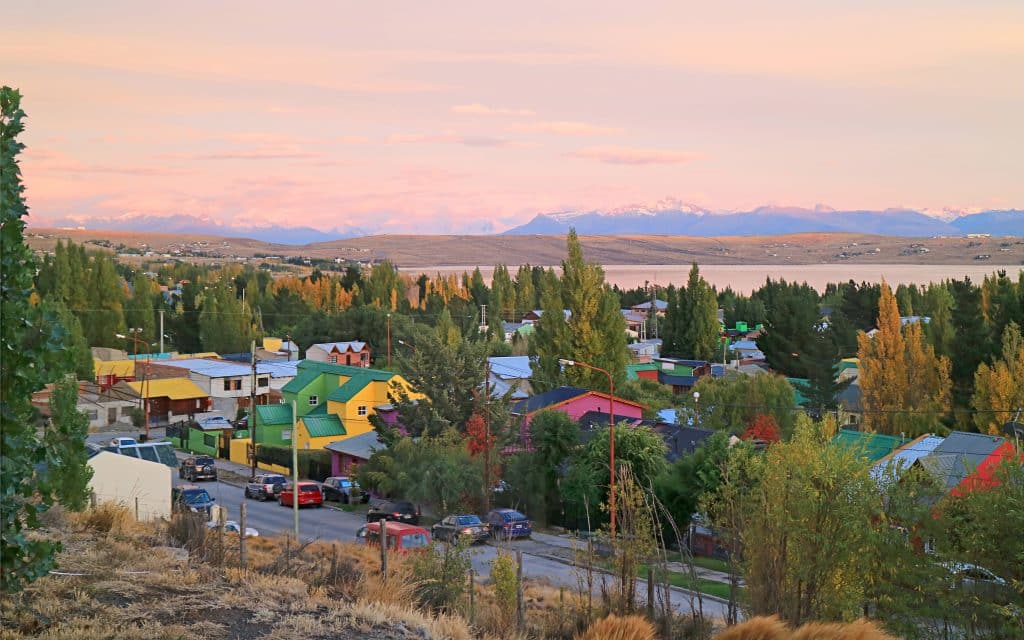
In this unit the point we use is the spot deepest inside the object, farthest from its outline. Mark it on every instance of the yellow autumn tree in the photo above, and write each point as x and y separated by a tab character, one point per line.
905	387
999	388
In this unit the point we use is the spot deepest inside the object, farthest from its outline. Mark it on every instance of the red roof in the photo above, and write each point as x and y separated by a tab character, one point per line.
984	476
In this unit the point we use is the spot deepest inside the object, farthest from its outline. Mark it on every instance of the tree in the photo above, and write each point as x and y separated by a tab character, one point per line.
225	323
731	402
999	388
64	438
811	496
76	355
762	427
685	482
701	337
554	437
650	393
24	346
139	311
904	385
551	338
597	330
938	308
972	344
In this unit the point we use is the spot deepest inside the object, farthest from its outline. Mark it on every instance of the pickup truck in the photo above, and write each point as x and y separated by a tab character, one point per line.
265	486
198	468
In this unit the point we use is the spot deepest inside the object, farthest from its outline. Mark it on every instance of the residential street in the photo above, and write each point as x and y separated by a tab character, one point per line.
545	556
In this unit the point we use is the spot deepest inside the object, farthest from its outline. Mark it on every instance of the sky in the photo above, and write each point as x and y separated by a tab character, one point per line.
435	117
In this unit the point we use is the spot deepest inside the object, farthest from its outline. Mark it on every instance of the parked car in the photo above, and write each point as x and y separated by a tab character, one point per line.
466	526
309	494
508	524
123	442
233	527
401	536
397	510
343	489
198	468
265	486
215	422
191	498
978	581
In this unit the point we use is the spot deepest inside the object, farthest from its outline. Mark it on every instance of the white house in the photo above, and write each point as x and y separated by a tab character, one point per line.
126	479
225	382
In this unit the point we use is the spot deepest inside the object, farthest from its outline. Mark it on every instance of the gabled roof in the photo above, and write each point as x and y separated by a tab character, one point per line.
361	446
958	455
872	445
350	345
633	368
676	381
511	367
904	457
349	389
216	368
268	414
119	368
682	362
660	305
547	399
343	370
173	388
683	441
323	426
303	378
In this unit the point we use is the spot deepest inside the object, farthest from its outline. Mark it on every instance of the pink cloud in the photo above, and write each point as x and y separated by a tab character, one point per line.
635	156
448	138
569	128
259	154
478	109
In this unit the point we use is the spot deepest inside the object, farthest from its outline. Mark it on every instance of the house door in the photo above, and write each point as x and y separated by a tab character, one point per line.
111	415
225	445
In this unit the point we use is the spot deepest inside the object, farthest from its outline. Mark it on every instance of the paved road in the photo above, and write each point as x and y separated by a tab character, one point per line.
332	523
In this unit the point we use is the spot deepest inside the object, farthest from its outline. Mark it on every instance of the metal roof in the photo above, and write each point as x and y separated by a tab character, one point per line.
267	414
361	446
511	366
872	445
350	388
547	399
349	345
904	457
323	426
173	388
224	369
959	455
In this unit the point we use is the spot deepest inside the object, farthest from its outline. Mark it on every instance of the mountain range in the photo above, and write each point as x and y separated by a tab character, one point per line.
667	217
676	218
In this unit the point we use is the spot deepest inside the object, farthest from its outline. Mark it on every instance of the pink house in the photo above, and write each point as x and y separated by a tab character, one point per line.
574	402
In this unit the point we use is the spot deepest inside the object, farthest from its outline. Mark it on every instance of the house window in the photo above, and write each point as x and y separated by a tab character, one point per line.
93	414
286	435
227	384
313	401
361	410
332	359
237	384
262	382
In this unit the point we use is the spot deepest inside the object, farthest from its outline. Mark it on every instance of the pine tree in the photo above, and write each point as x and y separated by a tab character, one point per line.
64	437
526	295
904	385
938	307
551	339
139	313
702	335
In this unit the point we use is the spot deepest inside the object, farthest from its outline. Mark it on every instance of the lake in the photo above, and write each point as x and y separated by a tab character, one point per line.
744	278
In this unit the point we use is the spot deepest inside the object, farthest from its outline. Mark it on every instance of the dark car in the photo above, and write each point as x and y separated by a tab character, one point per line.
265	486
191	498
198	468
397	510
343	489
509	523
468	527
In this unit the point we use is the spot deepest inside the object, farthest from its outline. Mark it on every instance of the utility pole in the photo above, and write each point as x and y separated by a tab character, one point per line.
389	340
487	435
161	330
252	411
295	474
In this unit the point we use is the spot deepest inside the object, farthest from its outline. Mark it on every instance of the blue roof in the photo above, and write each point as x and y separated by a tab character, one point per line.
669	415
676	381
511	366
660	305
547	399
220	369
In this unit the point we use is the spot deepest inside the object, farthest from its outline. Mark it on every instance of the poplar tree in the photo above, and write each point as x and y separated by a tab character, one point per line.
999	388
702	335
139	312
905	387
526	295
551	339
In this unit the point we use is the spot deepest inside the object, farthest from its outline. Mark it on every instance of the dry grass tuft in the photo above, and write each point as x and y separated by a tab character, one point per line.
771	628
108	517
615	628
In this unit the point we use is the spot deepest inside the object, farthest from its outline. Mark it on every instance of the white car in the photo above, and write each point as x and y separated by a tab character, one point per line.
232	527
123	442
215	422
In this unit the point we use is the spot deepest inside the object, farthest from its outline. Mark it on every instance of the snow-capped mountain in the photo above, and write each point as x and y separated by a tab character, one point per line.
676	217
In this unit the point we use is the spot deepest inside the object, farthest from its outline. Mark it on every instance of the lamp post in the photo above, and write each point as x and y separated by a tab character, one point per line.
389	340
611	432
133	336
696	407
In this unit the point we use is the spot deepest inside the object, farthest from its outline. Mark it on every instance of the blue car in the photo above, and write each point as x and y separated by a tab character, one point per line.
508	524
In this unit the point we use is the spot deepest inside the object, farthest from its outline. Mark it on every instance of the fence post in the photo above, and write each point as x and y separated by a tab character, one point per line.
650	591
136	508
472	597
383	538
519	590
242	556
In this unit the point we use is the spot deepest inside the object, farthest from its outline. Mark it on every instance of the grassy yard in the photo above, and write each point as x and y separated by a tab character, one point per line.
684	581
713	564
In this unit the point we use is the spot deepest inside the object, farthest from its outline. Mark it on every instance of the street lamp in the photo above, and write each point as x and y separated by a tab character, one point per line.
696	408
133	336
611	432
389	341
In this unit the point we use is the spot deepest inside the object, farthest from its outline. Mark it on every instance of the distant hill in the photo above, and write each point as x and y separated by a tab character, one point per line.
193	225
695	222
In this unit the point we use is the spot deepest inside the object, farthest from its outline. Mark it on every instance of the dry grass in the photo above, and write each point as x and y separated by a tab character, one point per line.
616	628
771	628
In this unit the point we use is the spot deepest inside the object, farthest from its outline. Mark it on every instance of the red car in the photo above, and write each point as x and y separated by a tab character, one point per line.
309	495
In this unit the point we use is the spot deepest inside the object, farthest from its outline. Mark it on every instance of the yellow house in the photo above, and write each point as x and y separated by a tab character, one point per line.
333	402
